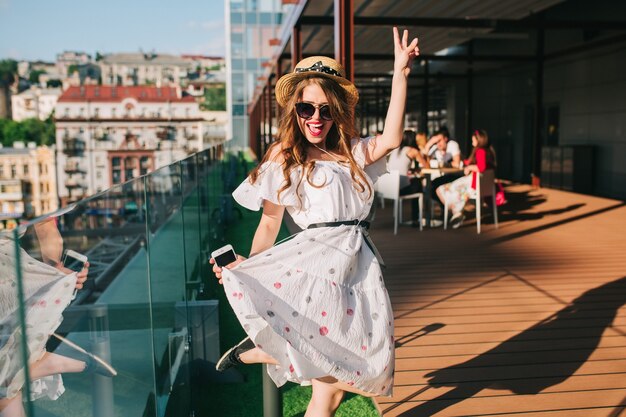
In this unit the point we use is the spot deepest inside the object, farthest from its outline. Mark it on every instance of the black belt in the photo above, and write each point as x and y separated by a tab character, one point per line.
364	230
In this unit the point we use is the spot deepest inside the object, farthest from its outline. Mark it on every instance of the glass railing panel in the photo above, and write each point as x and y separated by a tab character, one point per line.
205	193
140	322
191	224
101	347
167	270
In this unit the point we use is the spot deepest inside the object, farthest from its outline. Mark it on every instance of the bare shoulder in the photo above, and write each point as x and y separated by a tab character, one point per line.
275	153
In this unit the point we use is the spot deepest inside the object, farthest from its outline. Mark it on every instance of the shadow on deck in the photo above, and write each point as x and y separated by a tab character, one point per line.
528	319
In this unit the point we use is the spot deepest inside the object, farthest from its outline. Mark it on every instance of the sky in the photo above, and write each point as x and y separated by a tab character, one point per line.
39	29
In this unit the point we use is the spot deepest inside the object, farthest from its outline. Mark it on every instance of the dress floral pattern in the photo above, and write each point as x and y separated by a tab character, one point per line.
458	192
317	303
47	292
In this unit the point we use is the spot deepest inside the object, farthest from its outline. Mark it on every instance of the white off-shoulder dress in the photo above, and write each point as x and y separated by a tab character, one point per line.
317	303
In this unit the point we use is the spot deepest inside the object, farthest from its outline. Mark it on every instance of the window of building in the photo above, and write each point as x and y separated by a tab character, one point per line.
1	171
13	171
117	176
266	18
238	110
144	166
236	18
25	169
236	5
40	169
113	113
251	18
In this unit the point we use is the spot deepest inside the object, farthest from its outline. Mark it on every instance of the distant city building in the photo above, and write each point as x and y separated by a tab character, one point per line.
67	59
47	71
23	69
144	68
107	135
206	63
84	74
35	102
250	26
27	182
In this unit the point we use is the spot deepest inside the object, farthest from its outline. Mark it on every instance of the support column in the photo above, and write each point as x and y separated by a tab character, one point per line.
425	87
344	35
270	113
296	46
377	109
469	124
261	122
279	73
538	119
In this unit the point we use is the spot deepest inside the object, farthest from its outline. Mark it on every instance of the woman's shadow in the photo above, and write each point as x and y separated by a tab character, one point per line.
598	306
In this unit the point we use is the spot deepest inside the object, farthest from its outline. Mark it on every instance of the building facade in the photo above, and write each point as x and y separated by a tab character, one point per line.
250	26
144	69
108	135
27	182
67	59
34	103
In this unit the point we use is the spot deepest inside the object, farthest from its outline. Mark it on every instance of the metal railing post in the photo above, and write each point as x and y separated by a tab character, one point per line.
102	388
272	404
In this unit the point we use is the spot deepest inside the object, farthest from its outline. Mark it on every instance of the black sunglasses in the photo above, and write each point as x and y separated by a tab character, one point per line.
307	110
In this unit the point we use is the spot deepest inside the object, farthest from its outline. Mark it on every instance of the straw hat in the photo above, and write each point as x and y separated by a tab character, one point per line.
316	66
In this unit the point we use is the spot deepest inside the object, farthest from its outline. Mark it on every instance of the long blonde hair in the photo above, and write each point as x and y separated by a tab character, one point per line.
293	145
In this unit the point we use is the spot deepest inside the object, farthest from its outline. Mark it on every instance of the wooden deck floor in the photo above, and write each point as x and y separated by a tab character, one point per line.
529	319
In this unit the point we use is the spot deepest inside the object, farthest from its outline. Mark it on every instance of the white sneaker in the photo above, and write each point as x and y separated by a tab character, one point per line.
436	223
457	220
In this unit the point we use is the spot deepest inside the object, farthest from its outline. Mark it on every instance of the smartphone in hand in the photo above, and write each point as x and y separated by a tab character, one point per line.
224	256
74	261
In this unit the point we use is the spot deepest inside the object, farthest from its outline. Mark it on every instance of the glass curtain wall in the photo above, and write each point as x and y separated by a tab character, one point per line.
250	26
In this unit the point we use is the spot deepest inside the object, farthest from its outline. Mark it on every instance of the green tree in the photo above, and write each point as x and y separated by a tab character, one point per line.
8	74
12	131
34	76
214	98
29	130
54	83
8	71
3	125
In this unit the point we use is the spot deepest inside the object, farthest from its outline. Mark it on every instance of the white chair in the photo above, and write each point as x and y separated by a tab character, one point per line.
388	187
485	187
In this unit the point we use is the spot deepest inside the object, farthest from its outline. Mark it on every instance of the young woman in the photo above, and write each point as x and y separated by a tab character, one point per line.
315	307
400	159
457	193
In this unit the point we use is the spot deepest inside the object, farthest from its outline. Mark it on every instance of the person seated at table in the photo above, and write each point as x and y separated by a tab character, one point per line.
400	159
457	193
420	140
443	149
442	152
